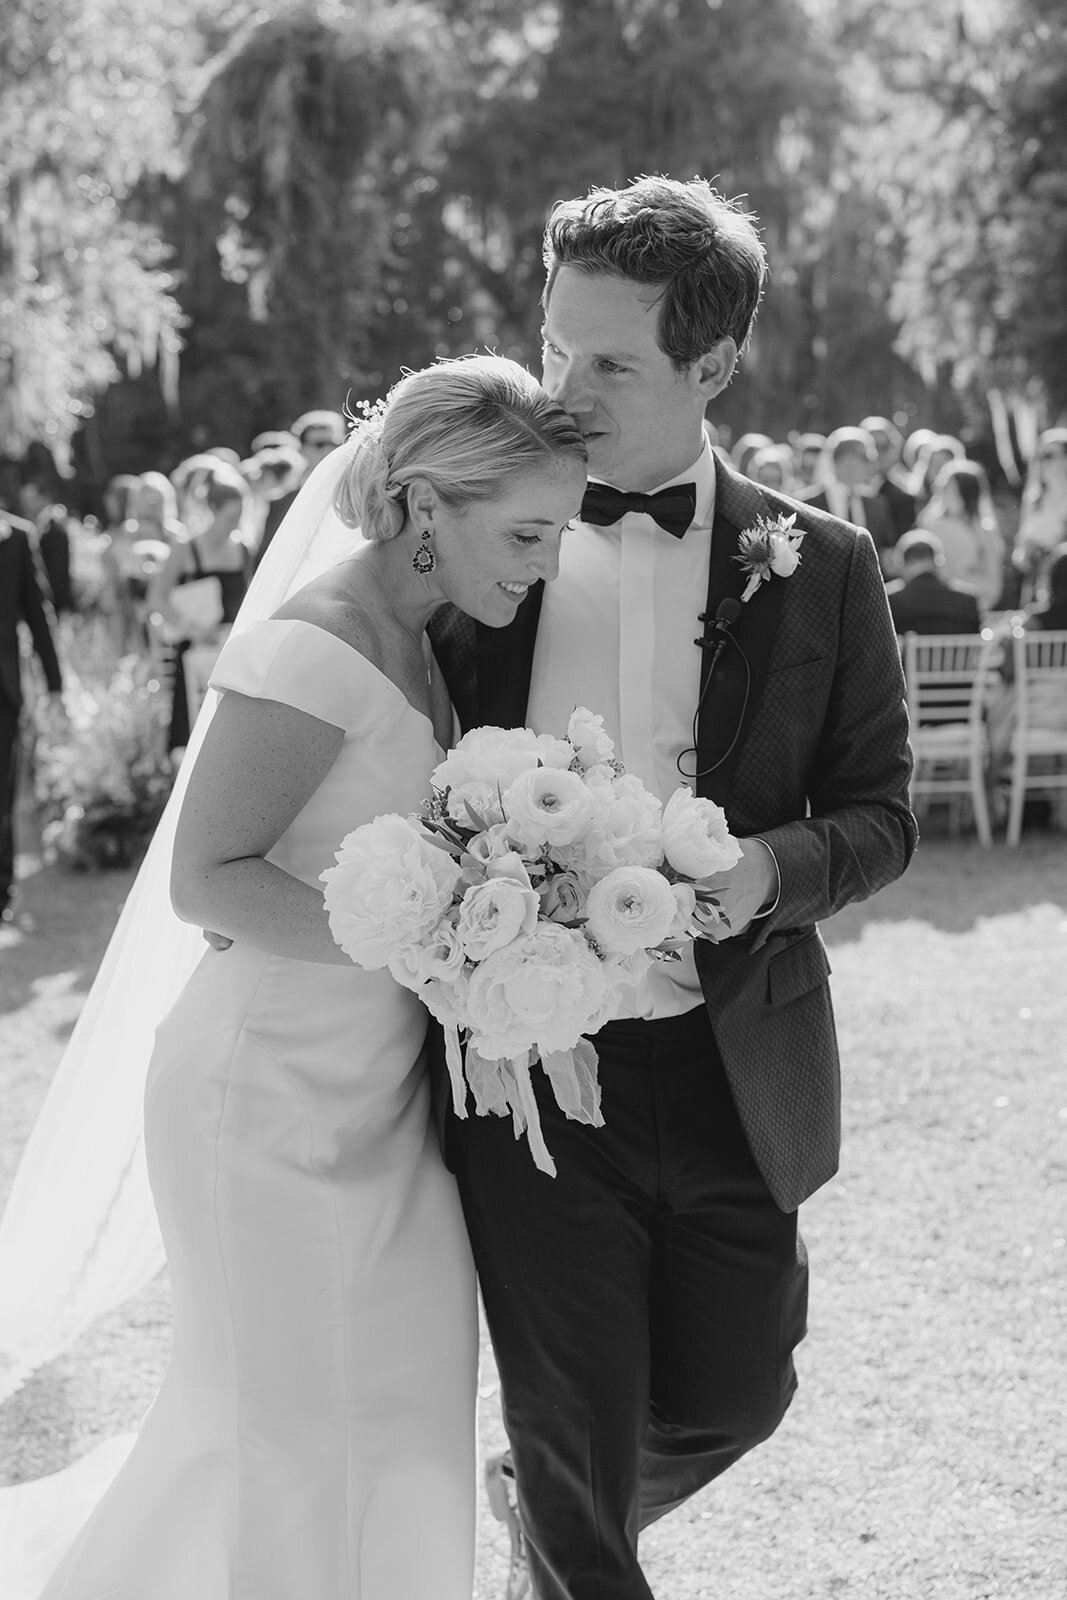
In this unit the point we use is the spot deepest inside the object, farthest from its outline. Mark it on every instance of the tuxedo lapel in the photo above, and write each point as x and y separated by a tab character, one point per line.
505	663
732	697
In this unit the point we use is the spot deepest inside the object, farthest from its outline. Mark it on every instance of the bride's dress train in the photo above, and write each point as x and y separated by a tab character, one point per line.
314	1436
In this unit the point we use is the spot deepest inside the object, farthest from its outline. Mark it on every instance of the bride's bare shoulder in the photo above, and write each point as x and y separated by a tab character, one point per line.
340	608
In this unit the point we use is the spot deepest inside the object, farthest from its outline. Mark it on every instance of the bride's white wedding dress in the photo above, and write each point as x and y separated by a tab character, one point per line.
314	1436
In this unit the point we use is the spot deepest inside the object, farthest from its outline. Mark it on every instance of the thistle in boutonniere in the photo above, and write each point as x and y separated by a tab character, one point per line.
768	547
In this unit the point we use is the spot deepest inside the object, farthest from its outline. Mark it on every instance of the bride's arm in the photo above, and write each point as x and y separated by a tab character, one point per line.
260	764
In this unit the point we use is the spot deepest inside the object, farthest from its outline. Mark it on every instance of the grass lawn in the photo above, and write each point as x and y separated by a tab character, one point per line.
925	1457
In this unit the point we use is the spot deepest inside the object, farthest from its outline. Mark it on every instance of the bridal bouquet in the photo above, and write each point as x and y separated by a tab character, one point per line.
536	883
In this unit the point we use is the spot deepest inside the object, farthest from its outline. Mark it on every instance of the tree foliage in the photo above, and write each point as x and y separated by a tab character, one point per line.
312	193
85	115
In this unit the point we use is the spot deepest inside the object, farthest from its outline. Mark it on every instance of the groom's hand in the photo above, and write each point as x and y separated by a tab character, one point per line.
742	893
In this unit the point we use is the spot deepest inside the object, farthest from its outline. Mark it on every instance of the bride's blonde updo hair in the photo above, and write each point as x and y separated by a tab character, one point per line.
466	425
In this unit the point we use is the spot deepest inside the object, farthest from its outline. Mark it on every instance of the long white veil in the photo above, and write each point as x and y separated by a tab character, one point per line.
79	1234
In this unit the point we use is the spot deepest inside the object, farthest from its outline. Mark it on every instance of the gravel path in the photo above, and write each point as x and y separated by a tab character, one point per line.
925	1455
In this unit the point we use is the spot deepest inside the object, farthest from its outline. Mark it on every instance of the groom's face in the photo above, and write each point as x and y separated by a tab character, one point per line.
602	360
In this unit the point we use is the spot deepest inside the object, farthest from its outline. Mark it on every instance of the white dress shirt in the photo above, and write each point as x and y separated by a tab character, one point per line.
616	636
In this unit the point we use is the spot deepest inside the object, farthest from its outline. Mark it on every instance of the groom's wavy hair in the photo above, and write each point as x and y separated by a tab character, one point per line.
702	251
467	425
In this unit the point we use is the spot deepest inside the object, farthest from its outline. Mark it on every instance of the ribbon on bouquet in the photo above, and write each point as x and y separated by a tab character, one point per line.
506	1085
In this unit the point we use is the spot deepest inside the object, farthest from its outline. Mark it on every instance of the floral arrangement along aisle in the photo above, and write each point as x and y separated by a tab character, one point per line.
537	882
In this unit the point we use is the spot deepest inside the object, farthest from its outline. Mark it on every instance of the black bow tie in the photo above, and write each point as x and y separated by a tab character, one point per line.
672	508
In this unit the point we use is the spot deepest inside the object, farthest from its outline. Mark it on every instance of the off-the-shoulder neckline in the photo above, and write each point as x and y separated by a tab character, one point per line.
301	622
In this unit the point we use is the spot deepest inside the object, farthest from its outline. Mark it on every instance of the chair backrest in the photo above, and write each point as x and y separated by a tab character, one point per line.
1040	661
947	677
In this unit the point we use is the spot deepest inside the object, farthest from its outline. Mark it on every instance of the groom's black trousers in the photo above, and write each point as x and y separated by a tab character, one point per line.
644	1304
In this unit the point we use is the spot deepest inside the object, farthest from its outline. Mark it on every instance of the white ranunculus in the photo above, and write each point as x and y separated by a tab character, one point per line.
492	914
631	908
389	889
586	733
547	806
494	756
542	991
696	838
785	557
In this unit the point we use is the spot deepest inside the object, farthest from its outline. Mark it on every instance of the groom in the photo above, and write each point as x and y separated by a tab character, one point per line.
645	1304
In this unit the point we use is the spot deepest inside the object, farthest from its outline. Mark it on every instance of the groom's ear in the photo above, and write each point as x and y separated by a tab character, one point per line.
711	372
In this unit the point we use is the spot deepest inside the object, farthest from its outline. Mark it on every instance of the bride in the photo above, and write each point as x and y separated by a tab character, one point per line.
314	1434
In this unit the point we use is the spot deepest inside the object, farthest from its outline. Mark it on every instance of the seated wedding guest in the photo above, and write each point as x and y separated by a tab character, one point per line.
316	434
807	453
888	484
849	463
54	539
1048	698
923	600
970	537
1043	515
772	466
745	448
213	571
23	599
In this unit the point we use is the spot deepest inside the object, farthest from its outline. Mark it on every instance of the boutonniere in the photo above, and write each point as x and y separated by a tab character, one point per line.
766	548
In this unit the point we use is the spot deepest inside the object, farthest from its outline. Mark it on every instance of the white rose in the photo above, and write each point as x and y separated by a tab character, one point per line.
785	557
494	913
696	839
547	806
562	897
390	887
440	957
586	733
542	991
491	845
632	908
555	752
494	756
685	900
482	797
447	1000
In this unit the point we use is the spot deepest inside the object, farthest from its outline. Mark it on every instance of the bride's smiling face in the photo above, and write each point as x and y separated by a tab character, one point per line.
489	552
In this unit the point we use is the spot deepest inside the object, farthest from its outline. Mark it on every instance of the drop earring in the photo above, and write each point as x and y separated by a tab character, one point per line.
424	560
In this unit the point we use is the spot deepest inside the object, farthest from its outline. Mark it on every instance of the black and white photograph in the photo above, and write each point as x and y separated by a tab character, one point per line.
533	800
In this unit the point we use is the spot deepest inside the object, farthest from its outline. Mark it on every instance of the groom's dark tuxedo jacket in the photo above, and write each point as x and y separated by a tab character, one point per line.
819	768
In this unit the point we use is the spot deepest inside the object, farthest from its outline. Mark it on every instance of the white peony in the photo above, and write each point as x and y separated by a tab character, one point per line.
630	909
494	756
624	829
492	914
555	752
696	839
390	887
586	733
547	806
542	991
